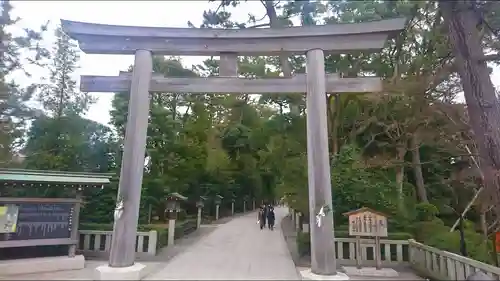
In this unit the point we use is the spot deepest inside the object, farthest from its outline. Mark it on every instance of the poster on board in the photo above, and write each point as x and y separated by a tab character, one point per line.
8	218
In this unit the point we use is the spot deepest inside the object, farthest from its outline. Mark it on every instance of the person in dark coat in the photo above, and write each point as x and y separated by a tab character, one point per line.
270	217
262	217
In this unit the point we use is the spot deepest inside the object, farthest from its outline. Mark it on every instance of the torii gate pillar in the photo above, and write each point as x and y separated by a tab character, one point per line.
320	191
122	254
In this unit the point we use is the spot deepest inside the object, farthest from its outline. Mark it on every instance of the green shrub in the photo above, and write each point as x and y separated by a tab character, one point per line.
426	212
425	230
399	223
303	244
477	248
399	236
343	227
436	234
96	226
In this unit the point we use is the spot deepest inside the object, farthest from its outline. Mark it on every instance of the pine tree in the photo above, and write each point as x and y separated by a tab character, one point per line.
13	111
56	139
60	97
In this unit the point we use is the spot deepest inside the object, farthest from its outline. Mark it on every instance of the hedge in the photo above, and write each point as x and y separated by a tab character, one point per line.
435	234
181	228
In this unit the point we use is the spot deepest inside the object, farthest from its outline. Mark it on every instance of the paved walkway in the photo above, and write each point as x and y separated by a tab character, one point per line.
237	250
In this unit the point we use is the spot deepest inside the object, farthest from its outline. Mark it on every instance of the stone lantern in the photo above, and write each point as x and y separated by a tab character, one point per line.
200	203
173	207
217	201
245	199
233	199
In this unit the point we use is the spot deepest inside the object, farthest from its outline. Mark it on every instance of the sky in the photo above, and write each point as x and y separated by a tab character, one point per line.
141	13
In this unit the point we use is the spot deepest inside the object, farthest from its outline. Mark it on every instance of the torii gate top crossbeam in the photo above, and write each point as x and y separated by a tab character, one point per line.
197	85
336	38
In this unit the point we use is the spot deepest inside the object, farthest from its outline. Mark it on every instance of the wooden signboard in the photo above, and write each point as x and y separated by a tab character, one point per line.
30	222
37	221
367	222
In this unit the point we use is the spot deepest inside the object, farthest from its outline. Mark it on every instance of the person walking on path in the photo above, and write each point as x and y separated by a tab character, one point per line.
270	217
262	217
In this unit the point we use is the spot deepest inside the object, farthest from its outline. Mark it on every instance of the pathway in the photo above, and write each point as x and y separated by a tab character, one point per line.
237	250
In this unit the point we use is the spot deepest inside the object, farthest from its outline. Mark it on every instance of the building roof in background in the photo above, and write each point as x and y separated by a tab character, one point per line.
56	177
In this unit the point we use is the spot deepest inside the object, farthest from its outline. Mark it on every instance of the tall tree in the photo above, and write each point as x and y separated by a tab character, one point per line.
56	136
13	111
59	96
462	19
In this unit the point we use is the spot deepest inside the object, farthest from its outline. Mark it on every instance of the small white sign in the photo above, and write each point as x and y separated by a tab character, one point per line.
319	217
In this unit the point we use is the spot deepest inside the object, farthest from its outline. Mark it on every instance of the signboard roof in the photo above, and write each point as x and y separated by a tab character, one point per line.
364	210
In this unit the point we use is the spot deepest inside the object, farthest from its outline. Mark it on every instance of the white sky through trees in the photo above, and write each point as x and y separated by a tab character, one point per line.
140	13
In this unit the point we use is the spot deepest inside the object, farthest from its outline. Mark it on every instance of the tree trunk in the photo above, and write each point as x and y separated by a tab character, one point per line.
417	168
479	92
335	125
285	64
333	122
484	224
400	173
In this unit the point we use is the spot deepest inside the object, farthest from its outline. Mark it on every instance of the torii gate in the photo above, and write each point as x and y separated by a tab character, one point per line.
143	42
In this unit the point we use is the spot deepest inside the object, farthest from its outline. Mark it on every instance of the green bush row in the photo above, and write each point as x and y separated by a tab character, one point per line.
432	231
181	228
435	234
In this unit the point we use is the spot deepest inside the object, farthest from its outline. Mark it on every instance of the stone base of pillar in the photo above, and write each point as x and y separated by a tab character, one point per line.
371	271
134	272
308	275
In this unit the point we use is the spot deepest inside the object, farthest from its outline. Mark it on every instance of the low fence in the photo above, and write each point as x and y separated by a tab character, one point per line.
97	243
442	265
393	252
